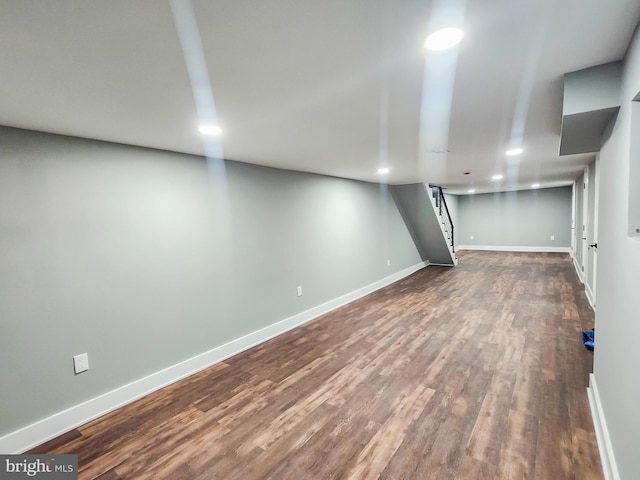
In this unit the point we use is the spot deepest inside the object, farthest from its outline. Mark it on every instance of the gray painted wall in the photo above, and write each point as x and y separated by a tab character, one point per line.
591	89
617	356
145	258
525	218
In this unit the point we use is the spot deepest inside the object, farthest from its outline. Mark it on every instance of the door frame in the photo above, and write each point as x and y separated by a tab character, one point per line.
585	223
595	216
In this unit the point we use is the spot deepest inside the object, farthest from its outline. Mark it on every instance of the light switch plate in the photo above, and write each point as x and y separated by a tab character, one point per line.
81	363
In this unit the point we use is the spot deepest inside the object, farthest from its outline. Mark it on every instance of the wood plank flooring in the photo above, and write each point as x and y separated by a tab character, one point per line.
473	372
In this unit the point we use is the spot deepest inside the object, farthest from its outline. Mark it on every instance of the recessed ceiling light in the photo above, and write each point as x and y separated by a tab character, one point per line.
443	39
210	129
383	171
514	151
471	190
535	185
497	177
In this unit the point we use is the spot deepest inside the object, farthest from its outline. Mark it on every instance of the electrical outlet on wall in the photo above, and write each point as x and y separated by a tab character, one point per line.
300	291
81	363
388	263
553	237
471	236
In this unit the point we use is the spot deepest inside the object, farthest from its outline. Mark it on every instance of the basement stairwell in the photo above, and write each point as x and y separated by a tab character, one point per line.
424	210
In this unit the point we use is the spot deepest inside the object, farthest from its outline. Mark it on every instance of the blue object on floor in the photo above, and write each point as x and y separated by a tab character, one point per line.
588	338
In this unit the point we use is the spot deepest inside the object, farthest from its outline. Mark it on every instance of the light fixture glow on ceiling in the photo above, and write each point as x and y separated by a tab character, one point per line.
497	177
514	151
535	185
471	190
210	129
383	171
443	39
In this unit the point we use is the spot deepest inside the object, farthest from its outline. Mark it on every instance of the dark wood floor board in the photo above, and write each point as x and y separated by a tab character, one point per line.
471	469
437	440
526	398
155	407
167	438
517	458
109	475
341	438
374	457
584	461
449	446
490	423
471	372
303	449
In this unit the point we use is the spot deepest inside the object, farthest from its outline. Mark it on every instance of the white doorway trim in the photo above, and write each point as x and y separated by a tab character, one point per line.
584	228
593	251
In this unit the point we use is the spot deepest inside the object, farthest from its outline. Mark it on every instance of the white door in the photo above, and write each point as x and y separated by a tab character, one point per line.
594	249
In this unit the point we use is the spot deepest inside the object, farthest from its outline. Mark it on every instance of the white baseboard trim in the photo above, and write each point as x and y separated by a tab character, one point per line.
590	297
503	248
61	422
607	458
578	270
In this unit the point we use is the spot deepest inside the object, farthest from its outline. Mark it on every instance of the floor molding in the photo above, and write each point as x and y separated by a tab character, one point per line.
607	458
41	431
578	270
590	296
587	289
507	248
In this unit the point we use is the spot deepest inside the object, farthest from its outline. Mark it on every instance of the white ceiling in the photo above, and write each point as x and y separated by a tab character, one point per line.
327	86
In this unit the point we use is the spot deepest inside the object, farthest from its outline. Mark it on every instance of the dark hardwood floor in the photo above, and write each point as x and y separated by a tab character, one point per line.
473	372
